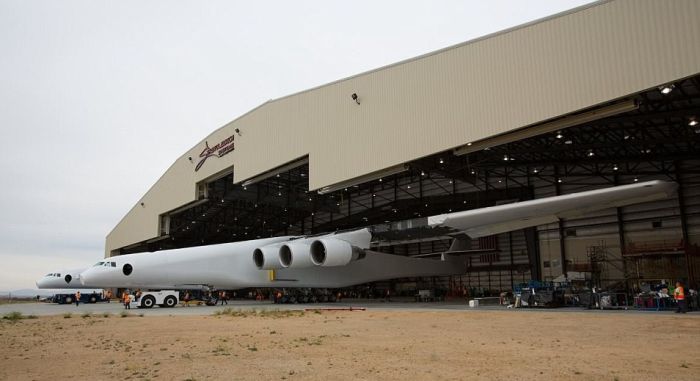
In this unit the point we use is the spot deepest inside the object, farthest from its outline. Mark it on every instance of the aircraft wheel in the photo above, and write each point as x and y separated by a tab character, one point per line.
170	302
148	301
69	300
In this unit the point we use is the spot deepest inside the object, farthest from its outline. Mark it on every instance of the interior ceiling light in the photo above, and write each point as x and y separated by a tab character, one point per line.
560	181
505	157
422	173
441	161
535	170
591	153
693	122
559	135
568	142
615	168
665	89
636	179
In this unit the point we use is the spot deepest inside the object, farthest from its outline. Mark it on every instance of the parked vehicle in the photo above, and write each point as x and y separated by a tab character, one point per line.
84	298
163	298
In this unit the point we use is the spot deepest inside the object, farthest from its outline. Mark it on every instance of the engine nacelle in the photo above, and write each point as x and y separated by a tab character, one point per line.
296	254
267	257
334	252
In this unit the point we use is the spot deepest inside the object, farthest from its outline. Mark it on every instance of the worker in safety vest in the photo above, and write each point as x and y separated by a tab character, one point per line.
679	295
77	298
127	300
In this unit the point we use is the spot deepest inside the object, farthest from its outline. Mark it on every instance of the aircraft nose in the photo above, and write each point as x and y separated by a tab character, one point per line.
85	278
41	283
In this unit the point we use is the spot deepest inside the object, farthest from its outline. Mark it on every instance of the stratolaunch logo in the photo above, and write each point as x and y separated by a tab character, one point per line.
225	146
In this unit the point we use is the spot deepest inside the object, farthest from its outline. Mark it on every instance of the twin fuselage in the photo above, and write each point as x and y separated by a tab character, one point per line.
337	259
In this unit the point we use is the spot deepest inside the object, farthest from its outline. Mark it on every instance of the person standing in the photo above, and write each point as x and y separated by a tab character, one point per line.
223	298
77	298
679	295
127	300
186	299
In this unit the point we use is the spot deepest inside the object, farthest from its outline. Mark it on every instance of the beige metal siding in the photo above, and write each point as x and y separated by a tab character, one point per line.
440	101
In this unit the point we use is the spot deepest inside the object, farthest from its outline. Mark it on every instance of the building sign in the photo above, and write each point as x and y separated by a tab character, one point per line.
222	148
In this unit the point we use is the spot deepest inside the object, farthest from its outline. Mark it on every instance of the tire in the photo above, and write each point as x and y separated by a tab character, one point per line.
148	301
68	300
170	302
93	300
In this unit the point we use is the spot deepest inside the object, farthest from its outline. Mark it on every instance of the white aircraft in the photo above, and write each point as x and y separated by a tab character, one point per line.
62	279
344	259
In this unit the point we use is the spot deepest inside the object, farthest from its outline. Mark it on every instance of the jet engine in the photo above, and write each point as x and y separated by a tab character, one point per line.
334	252
296	254
267	257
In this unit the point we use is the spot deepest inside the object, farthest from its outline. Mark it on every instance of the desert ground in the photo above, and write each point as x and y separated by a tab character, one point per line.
351	345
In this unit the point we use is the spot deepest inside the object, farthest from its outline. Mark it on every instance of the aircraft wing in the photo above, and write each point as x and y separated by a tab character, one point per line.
503	218
345	258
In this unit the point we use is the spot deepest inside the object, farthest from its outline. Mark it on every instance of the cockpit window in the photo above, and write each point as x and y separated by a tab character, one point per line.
58	275
114	264
99	263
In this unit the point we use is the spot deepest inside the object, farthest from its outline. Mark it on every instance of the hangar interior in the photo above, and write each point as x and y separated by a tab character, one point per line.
657	138
603	95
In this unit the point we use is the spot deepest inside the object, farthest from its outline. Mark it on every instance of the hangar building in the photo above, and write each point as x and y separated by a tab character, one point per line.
601	95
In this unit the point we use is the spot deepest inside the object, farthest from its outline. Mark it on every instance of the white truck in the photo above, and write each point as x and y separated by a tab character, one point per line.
163	298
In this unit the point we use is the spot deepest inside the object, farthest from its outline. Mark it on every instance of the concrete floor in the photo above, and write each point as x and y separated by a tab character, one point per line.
47	309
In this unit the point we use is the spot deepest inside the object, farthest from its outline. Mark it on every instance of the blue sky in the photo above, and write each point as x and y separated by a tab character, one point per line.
98	98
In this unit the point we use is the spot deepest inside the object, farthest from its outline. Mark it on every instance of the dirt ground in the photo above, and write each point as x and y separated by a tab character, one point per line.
357	345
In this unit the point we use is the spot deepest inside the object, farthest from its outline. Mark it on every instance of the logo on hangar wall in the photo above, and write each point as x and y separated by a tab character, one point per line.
221	149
